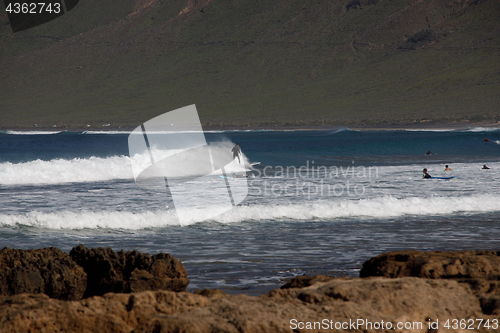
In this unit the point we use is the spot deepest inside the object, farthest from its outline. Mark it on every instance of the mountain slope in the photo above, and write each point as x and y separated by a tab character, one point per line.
258	63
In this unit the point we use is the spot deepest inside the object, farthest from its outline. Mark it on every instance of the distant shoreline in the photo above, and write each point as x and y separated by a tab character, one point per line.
356	127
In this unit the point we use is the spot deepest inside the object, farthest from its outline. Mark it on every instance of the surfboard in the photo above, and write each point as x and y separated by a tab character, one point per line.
252	164
442	177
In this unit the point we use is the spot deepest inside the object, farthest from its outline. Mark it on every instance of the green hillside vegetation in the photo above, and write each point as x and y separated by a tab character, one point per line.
255	63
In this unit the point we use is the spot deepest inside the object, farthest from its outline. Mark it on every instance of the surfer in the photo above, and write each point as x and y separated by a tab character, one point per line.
429	153
486	140
236	152
447	168
485	167
426	175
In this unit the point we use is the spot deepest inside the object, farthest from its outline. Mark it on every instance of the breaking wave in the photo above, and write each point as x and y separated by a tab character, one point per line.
77	170
381	207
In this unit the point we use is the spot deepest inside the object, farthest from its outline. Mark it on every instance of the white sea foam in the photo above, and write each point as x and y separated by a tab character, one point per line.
106	132
92	220
171	132
471	129
427	130
381	207
79	170
483	129
65	171
148	132
340	129
31	132
115	132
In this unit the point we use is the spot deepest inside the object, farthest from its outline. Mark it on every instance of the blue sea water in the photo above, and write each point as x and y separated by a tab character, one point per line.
319	202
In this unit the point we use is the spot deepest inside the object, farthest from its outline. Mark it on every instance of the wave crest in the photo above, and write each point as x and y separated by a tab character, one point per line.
381	207
57	171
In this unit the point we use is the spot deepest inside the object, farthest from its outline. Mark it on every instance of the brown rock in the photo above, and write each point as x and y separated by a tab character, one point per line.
479	270
210	292
435	265
378	299
490	305
109	313
305	281
49	271
307	304
123	272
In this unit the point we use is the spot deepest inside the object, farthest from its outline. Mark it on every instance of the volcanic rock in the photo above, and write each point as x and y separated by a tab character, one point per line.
435	265
132	271
447	286
479	270
339	301
49	271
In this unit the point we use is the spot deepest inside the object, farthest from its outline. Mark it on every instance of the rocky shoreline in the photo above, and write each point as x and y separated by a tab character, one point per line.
100	290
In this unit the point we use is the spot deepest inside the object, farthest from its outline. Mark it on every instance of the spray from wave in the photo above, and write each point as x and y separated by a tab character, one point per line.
79	170
483	129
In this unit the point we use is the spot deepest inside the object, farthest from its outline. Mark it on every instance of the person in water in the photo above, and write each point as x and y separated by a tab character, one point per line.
239	176
447	168
429	153
426	175
236	152
485	167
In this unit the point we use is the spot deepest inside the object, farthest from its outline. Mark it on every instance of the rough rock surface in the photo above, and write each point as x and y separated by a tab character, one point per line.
49	271
479	270
306	281
124	272
435	265
338	300
305	304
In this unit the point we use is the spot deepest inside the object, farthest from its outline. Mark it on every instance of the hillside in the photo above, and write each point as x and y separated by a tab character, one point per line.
255	63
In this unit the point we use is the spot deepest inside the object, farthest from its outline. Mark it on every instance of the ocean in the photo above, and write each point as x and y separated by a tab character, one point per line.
319	202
